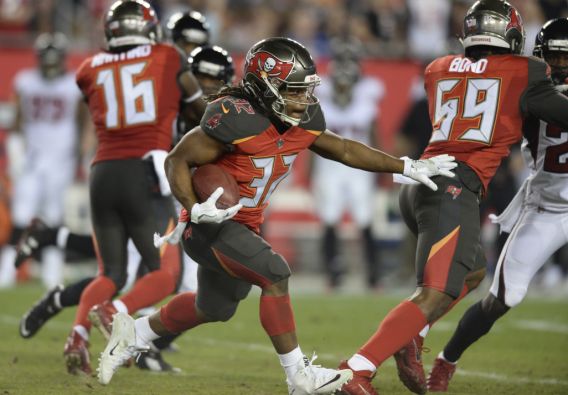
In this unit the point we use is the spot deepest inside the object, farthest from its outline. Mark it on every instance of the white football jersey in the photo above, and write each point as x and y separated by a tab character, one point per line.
354	120
547	159
49	109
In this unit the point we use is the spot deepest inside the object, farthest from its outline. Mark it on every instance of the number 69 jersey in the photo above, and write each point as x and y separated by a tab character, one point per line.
478	108
133	98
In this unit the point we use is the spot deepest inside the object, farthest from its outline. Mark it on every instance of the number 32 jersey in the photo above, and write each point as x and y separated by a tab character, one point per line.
133	99
261	151
478	109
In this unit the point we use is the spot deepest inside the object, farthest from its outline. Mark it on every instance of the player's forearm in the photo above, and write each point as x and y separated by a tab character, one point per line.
363	157
178	174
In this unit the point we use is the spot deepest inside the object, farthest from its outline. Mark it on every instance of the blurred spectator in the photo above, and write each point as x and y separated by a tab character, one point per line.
428	28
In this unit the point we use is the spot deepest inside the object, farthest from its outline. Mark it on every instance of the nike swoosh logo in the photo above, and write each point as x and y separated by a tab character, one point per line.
225	110
333	380
112	349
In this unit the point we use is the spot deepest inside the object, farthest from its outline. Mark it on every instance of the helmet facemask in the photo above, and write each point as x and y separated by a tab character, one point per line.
294	94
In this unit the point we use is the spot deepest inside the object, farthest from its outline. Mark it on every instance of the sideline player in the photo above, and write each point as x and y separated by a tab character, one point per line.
49	115
478	103
536	219
254	131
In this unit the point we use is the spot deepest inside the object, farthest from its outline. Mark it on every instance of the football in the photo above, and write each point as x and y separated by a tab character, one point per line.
209	177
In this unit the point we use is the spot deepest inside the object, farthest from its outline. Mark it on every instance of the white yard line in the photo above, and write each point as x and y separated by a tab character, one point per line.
535	325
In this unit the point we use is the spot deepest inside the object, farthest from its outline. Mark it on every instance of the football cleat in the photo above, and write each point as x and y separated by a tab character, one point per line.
101	317
440	376
314	379
76	354
120	348
152	360
40	313
361	384
36	236
409	365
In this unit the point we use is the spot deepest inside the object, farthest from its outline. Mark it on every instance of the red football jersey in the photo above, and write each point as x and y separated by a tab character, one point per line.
133	99
475	109
261	155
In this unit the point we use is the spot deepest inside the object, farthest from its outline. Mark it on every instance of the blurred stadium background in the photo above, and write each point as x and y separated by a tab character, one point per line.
399	37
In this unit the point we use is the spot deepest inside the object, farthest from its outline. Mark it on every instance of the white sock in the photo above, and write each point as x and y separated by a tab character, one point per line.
57	300
7	268
289	361
424	331
52	265
120	306
81	330
144	333
359	362
62	236
442	356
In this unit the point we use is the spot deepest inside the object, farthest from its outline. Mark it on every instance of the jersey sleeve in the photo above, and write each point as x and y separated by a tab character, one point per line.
541	99
231	120
81	77
315	121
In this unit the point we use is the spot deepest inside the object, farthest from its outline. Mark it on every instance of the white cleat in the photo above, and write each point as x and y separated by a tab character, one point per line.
120	348
313	379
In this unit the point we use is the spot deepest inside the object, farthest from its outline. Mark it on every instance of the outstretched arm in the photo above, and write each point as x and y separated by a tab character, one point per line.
361	156
355	154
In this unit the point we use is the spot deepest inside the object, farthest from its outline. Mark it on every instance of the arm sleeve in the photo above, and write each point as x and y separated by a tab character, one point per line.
541	99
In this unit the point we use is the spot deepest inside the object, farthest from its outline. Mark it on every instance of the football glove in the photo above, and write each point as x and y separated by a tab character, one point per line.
421	170
207	212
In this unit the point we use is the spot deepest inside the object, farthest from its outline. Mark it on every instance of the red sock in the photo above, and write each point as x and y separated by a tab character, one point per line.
179	314
397	329
149	290
98	291
463	294
276	315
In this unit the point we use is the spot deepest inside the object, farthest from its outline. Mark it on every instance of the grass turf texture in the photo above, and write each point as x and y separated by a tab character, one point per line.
525	353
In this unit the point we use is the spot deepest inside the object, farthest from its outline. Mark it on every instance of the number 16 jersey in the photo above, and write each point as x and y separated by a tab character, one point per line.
133	98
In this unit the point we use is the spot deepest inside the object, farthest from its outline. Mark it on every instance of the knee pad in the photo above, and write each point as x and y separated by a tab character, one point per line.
278	266
117	277
514	295
223	313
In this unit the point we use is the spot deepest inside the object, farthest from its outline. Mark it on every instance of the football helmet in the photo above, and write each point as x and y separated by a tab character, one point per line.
51	50
552	43
344	75
278	72
494	23
213	67
131	22
189	30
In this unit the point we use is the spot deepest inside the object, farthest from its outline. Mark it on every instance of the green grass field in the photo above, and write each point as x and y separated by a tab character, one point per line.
525	354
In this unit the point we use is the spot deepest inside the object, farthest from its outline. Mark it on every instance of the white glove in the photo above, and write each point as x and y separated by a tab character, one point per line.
207	212
421	170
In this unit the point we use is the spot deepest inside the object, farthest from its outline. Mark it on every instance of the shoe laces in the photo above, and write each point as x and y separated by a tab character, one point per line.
315	372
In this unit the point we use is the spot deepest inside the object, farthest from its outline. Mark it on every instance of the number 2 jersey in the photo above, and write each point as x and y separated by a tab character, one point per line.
479	109
261	152
133	98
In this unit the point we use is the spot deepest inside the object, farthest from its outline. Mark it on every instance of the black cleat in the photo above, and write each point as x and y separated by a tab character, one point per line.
40	313
36	236
152	360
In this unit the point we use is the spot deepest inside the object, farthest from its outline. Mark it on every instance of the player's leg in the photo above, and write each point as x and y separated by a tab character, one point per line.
54	300
447	225
107	182
145	213
361	186
25	205
330	197
533	240
55	184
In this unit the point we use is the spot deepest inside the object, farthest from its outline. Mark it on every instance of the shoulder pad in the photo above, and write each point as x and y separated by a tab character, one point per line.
230	119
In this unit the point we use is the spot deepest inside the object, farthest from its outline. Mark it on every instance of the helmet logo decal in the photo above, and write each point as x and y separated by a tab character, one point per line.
264	64
515	21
